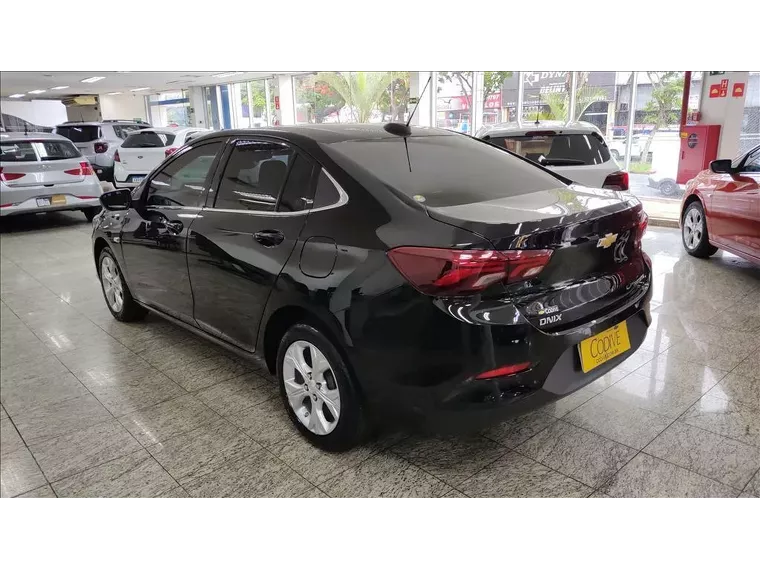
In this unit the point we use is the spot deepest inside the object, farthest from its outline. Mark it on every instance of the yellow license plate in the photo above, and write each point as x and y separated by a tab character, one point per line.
58	199
604	346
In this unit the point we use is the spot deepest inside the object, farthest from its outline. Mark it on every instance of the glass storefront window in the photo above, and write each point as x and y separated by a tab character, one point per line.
454	100
750	133
170	108
350	97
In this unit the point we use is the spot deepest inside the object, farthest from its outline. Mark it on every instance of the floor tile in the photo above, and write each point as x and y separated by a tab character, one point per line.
750	366
19	474
743	389
63	456
710	354
455	494
42	492
55	419
317	465
206	372
260	475
514	432
178	492
182	354
136	475
451	459
618	421
168	419
238	394
385	475
562	407
313	493
266	423
516	476
575	452
726	418
198	452
753	487
725	460
636	359
10	441
649	477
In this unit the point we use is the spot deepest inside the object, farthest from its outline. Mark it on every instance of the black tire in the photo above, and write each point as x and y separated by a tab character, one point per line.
130	311
696	245
91	212
352	427
669	188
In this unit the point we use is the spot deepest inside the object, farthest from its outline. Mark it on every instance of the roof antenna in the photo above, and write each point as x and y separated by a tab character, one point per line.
403	129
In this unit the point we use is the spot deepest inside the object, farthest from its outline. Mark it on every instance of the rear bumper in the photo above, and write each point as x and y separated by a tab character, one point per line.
81	195
125	179
429	383
30	206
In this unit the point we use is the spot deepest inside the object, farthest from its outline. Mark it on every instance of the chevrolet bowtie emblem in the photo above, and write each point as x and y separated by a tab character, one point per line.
607	240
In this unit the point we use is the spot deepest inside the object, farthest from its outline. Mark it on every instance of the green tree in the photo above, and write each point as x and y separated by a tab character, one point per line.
664	107
492	82
320	98
557	105
361	91
395	99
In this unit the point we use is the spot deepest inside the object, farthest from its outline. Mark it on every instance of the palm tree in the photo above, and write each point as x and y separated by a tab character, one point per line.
360	90
558	103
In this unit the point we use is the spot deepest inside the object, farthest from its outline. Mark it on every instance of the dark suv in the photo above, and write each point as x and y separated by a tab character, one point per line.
383	273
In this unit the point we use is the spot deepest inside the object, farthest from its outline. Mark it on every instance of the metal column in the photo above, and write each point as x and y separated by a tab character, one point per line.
518	114
571	106
631	117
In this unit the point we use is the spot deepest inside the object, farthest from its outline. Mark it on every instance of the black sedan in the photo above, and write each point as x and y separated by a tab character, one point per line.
384	274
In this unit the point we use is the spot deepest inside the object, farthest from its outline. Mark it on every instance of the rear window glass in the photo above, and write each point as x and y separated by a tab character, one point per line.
33	151
79	133
442	170
557	149
148	140
124	130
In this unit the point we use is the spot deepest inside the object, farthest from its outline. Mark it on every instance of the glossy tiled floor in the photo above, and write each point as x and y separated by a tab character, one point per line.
93	407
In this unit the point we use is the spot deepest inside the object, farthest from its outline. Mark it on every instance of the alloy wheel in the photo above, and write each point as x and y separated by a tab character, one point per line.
310	386
109	277
693	228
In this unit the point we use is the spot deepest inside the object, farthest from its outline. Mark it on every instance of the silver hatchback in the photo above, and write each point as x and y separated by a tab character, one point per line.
42	172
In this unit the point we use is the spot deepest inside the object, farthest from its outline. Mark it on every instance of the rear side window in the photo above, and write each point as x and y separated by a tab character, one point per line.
441	170
42	150
296	196
79	133
148	139
254	175
327	194
557	149
124	130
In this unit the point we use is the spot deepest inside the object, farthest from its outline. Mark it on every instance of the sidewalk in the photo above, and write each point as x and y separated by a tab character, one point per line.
662	212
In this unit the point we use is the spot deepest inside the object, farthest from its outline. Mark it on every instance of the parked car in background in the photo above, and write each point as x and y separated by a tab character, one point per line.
42	172
617	148
575	150
721	208
384	273
144	150
665	182
98	141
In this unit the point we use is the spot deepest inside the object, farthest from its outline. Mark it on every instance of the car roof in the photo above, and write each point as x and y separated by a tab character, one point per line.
169	129
326	133
561	127
96	123
21	137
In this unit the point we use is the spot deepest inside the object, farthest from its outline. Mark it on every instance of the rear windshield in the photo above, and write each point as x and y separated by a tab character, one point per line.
34	151
557	149
124	130
443	170
79	133
148	140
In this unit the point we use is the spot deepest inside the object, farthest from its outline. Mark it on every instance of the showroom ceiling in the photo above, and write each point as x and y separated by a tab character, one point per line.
16	82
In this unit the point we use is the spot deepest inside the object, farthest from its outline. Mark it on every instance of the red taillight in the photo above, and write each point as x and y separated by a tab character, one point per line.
6	205
116	157
84	170
504	370
100	147
170	151
643	223
442	272
617	181
9	177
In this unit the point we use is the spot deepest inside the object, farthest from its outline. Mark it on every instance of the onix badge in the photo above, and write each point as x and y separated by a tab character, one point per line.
607	240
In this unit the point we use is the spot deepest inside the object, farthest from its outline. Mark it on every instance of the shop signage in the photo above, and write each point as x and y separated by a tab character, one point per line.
723	88
714	73
715	91
277	102
738	90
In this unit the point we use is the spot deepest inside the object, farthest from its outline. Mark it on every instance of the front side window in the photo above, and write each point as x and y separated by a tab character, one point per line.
254	176
183	180
753	163
557	149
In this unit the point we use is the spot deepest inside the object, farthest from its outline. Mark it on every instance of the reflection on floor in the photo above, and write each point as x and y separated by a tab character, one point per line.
93	407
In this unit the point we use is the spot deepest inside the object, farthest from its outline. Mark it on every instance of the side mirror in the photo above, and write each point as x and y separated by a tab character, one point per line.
721	166
116	200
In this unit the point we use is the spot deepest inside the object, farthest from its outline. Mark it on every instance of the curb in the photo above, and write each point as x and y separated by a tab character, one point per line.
663	222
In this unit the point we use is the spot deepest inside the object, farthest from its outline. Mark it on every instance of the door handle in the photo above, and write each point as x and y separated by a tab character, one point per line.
174	226
269	237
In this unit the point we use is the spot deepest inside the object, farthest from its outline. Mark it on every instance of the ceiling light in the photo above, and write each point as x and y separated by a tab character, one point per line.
92	79
60	87
37	91
140	89
17	95
228	74
114	93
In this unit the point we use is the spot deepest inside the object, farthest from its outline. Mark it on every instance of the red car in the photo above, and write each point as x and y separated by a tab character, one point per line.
721	208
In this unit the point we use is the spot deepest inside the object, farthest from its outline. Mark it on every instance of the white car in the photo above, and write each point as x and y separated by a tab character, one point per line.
144	150
575	150
42	172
